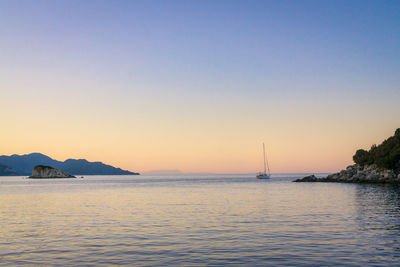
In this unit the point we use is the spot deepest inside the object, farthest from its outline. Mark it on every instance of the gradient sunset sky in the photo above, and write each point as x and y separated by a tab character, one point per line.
199	85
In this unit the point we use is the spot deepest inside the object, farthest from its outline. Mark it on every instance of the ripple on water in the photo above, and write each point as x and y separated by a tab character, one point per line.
197	221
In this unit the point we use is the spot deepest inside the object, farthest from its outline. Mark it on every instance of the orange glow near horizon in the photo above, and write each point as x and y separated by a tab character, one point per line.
224	136
192	150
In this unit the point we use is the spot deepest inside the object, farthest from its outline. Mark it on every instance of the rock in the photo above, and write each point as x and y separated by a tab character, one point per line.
358	174
389	174
41	171
372	177
310	178
361	172
334	176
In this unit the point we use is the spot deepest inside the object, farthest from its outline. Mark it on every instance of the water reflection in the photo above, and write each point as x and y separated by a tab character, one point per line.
197	221
379	203
378	217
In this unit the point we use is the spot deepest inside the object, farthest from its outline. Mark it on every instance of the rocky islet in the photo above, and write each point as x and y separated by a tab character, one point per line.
44	172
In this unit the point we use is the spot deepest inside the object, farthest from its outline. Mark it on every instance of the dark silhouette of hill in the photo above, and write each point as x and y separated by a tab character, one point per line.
23	165
7	171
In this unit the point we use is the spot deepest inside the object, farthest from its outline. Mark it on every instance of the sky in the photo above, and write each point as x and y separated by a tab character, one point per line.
198	86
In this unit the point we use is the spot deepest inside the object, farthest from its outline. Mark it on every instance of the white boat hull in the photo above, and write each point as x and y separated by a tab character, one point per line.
263	176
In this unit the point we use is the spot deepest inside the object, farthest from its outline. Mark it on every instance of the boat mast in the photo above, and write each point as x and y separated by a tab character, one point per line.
265	171
269	173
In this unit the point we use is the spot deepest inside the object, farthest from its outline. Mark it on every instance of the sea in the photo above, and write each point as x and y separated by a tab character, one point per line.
197	220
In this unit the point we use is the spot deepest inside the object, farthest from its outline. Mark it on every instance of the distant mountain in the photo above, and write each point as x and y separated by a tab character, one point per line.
23	165
82	166
7	171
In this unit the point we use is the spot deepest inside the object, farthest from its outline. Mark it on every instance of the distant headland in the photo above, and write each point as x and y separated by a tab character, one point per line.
381	164
23	165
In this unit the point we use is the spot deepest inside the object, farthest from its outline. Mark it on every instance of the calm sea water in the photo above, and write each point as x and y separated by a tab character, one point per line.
197	220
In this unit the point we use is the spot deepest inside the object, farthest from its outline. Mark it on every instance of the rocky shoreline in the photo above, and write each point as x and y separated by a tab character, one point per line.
358	174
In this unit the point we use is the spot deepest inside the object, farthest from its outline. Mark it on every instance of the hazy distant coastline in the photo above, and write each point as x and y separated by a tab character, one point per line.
163	172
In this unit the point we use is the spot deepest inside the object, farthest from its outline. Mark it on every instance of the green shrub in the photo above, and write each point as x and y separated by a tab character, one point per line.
386	155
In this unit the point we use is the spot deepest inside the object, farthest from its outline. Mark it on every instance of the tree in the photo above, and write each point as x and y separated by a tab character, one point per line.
362	157
385	155
397	132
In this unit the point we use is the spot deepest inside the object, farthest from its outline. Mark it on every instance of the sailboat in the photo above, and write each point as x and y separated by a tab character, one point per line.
264	175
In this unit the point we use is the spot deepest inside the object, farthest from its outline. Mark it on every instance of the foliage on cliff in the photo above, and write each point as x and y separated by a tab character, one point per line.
386	155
